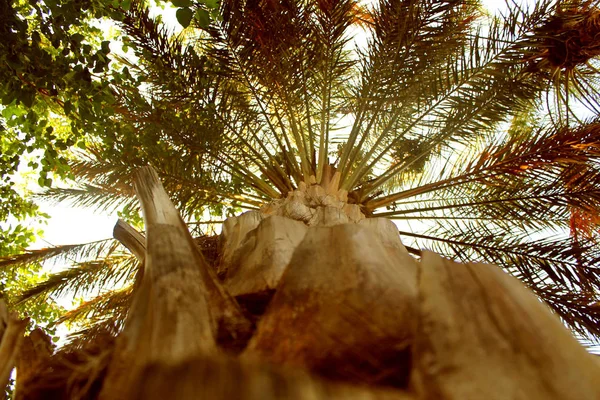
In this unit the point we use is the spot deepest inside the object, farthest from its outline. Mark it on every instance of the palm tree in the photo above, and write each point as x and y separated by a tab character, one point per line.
466	130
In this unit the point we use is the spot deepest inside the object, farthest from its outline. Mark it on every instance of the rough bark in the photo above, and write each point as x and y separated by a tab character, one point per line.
235	230
34	353
135	242
12	329
261	258
343	309
480	334
180	310
131	239
353	315
169	346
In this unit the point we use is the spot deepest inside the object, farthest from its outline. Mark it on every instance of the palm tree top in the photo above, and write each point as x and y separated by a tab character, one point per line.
466	123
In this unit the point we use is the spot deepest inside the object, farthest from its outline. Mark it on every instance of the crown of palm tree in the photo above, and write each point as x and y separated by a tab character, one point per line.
431	113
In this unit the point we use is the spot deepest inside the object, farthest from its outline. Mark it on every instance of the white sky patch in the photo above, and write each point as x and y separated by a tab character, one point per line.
498	7
71	225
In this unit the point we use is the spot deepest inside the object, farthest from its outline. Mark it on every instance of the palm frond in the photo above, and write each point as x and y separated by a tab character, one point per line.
557	258
544	158
111	304
477	87
85	277
164	53
87	196
102	330
59	253
579	310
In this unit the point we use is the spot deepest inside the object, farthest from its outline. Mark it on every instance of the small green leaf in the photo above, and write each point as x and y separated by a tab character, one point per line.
8	98
215	14
181	3
68	107
105	46
27	98
184	16
77	37
211	3
126	5
203	18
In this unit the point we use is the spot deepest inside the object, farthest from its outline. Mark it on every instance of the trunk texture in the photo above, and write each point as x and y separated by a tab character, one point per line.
311	300
11	337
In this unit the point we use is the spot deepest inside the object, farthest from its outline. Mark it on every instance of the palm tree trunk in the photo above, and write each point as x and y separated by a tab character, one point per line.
350	315
34	355
11	337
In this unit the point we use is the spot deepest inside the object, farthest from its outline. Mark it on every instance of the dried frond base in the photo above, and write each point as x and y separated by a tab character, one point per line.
75	372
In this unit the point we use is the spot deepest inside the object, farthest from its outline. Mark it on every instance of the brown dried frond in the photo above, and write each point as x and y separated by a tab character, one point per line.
209	247
361	16
72	373
572	37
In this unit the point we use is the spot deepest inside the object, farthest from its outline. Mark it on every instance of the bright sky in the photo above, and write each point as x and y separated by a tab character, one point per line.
71	225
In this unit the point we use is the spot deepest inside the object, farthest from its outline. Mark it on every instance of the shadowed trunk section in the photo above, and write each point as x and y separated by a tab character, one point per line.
12	329
224	378
480	334
343	308
75	372
180	310
34	355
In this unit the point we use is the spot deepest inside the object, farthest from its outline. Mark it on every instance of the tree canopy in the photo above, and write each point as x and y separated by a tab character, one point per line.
477	134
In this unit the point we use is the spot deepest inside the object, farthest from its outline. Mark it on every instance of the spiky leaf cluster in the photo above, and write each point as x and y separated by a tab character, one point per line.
434	114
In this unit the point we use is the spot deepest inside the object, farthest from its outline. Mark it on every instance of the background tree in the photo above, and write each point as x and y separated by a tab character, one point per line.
460	121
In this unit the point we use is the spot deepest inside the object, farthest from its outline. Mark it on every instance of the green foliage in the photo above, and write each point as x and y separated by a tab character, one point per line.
51	65
43	311
202	17
14	237
184	16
